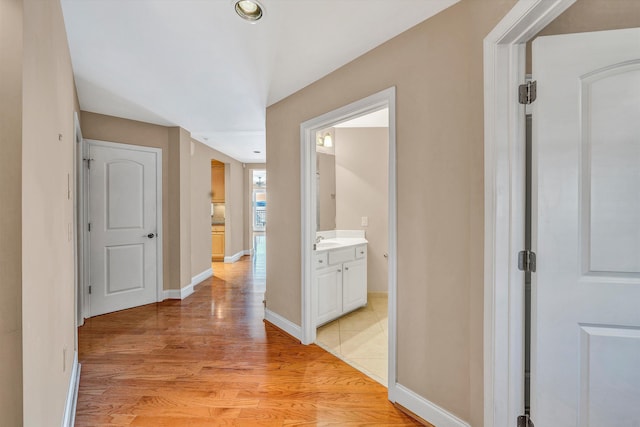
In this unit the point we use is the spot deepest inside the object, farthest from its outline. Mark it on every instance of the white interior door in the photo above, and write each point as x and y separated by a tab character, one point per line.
123	199
586	230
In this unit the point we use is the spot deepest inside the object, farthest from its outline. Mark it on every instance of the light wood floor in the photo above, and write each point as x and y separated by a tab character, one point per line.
210	360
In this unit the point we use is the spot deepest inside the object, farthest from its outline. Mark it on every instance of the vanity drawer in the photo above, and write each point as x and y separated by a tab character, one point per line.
321	260
361	252
339	256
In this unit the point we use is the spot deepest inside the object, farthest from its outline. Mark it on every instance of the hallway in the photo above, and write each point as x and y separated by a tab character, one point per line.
210	360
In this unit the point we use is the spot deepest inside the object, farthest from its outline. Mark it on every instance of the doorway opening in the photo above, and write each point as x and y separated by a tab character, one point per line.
334	257
351	195
259	218
218	211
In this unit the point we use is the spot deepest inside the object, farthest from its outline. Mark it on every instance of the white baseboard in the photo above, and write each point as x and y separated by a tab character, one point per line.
284	324
233	258
199	278
187	290
69	417
248	252
425	409
178	293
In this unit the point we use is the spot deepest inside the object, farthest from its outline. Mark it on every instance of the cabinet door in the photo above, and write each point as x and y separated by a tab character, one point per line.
217	246
354	285
329	288
217	183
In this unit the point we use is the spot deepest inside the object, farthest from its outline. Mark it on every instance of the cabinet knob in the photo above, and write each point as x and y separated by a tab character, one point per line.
339	271
320	261
346	268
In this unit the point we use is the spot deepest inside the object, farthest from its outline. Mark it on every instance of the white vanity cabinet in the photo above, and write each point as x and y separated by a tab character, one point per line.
341	281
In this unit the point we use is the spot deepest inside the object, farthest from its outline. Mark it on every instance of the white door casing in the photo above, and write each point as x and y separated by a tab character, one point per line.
377	101
504	166
124	202
586	230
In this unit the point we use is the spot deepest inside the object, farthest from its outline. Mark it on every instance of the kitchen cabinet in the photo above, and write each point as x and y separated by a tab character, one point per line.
341	282
217	242
217	182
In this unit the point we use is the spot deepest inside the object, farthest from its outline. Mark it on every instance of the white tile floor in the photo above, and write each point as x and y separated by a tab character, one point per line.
360	338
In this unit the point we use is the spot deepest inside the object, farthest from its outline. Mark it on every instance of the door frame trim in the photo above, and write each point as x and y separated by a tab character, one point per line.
80	212
383	99
84	220
504	206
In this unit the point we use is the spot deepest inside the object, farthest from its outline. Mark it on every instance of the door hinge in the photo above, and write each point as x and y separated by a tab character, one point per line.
89	226
527	261
89	289
527	93
524	421
88	160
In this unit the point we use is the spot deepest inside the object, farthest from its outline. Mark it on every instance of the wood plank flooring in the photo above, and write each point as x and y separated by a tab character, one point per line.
210	360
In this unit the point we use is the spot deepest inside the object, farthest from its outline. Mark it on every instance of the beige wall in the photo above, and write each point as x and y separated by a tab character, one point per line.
201	206
11	47
48	318
362	182
437	70
234	197
200	209
180	213
247	208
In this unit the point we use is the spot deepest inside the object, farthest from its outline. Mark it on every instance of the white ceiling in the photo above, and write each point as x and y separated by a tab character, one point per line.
196	64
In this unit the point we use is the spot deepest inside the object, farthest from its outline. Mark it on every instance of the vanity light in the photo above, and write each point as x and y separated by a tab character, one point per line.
249	10
327	140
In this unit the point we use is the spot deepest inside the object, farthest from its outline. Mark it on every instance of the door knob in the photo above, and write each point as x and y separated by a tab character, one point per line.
151	235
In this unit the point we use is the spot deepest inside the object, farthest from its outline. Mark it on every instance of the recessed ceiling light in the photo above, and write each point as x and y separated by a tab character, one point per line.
249	10
256	151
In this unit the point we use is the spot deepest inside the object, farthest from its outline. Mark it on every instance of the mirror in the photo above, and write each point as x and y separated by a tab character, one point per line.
325	180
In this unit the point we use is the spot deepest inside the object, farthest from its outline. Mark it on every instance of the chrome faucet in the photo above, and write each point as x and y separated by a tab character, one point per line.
318	238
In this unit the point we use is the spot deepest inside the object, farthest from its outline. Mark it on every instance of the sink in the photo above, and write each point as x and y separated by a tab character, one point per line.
339	242
328	244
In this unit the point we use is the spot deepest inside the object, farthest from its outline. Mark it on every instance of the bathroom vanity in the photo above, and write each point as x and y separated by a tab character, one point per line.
341	273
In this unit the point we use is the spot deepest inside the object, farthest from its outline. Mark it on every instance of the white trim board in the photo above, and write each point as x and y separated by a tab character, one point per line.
234	258
69	417
383	99
282	323
180	294
199	278
185	291
427	409
504	165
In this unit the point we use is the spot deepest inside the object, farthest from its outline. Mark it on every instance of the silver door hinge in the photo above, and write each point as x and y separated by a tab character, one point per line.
89	226
527	93
524	421
88	160
527	261
89	289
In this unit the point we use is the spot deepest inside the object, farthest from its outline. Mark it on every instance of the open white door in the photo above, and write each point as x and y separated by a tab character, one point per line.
123	205
586	230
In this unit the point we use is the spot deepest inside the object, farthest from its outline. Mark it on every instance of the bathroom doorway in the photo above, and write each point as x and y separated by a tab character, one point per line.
352	180
349	235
